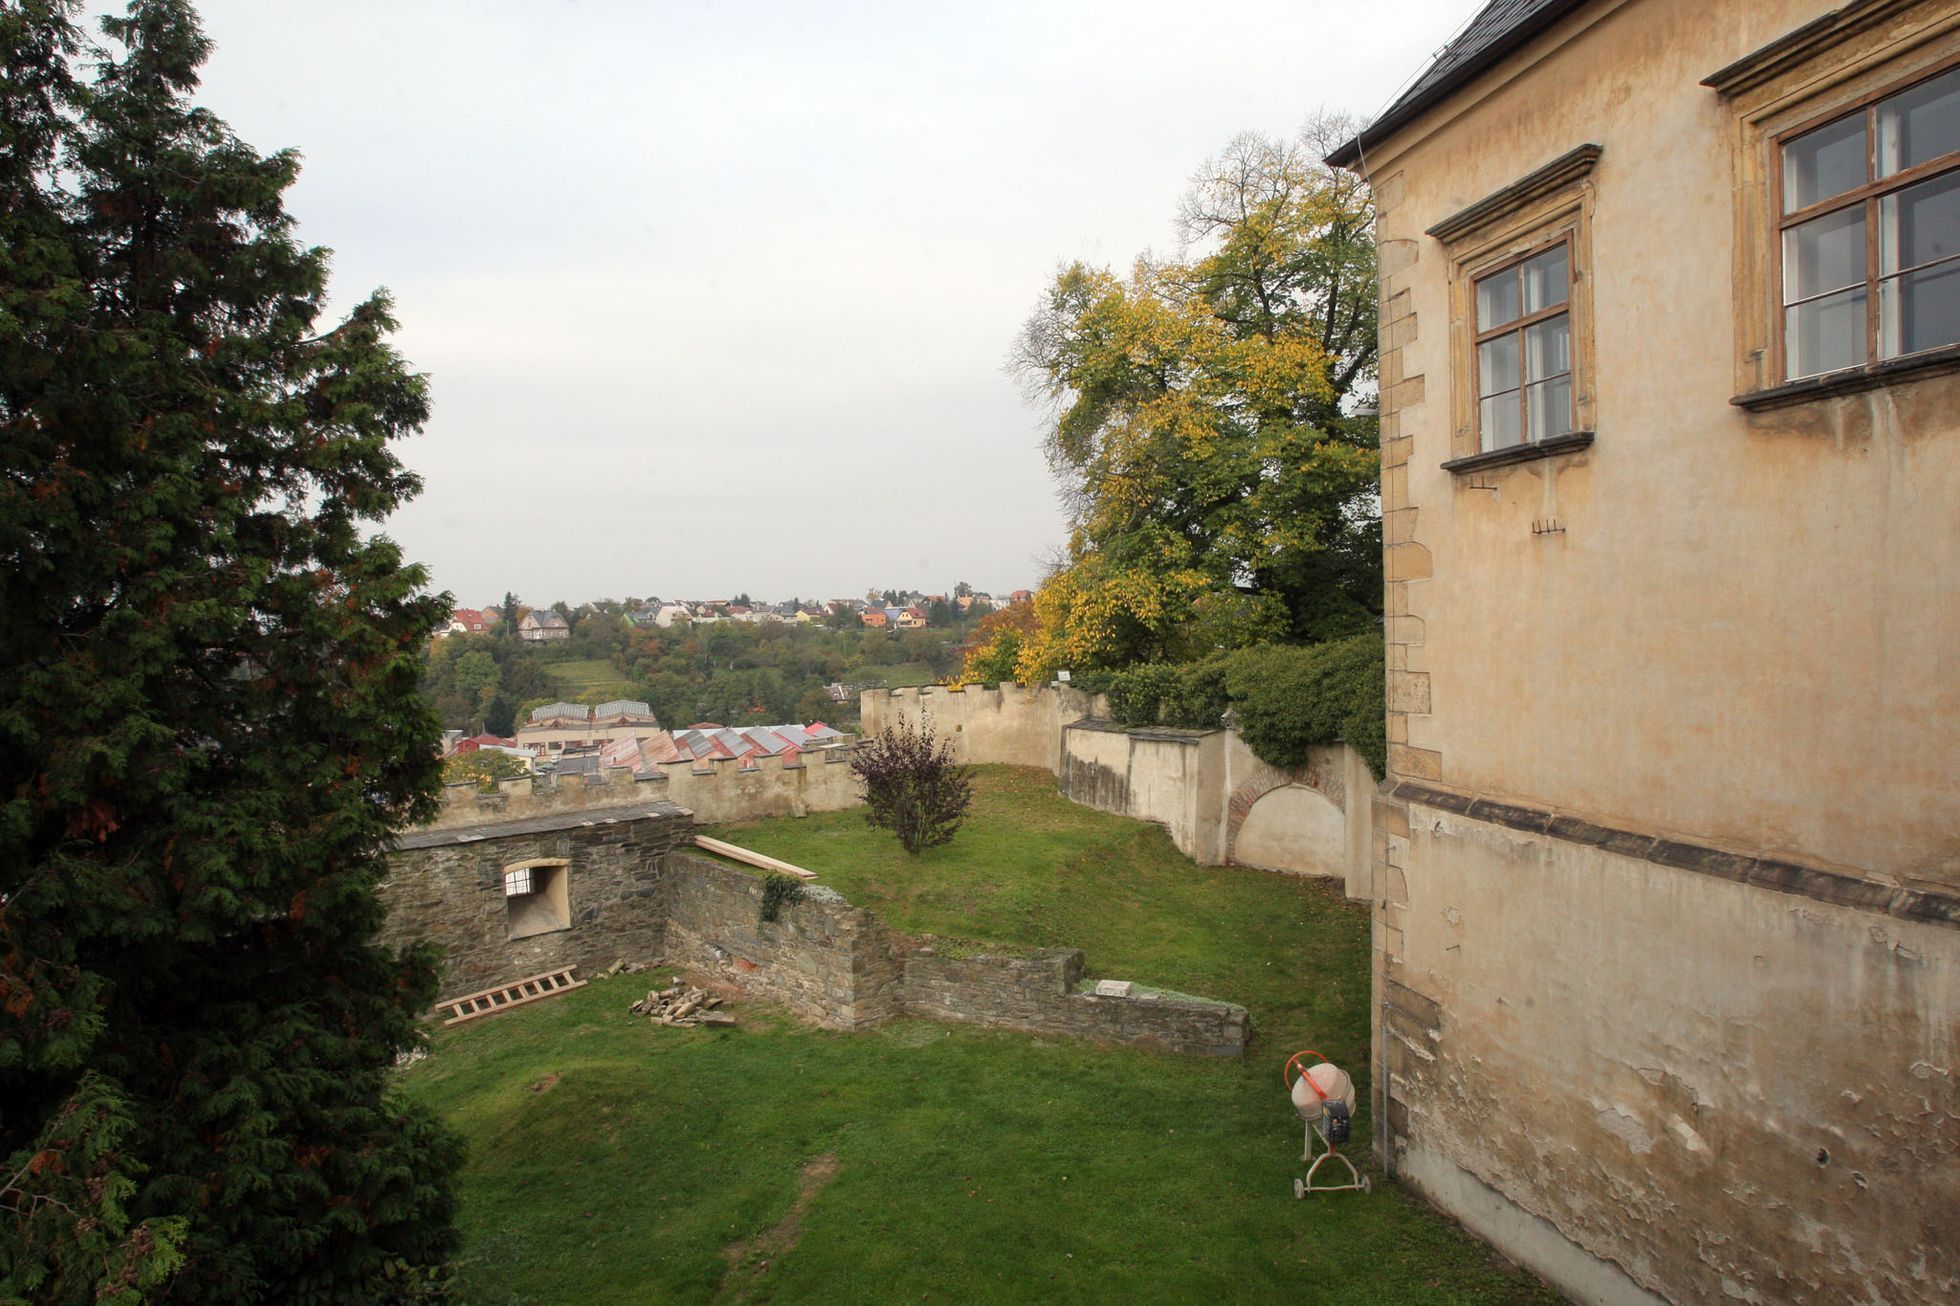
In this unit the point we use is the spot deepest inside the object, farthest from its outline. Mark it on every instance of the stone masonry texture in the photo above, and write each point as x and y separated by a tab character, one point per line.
638	893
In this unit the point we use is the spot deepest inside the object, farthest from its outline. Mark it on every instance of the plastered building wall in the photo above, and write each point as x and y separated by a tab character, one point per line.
1666	920
1220	803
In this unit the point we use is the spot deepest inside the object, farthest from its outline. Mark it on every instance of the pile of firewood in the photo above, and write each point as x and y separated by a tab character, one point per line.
682	1004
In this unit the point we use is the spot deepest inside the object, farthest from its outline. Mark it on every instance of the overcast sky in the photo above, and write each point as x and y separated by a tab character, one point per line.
715	296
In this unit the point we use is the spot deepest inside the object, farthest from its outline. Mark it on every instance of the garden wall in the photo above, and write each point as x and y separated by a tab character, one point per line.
1012	724
1041	995
1220	803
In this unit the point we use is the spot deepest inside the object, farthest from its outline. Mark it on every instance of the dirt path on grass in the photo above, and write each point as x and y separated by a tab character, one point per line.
749	1258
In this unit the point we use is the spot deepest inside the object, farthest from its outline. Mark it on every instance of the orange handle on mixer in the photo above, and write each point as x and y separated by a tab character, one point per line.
1293	1061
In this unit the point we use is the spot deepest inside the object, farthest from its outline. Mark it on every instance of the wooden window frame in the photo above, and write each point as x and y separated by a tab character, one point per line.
1867	197
1809	77
1517	326
1549	206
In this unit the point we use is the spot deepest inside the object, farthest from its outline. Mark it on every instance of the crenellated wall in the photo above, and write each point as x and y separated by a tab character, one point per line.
1220	803
1018	725
714	790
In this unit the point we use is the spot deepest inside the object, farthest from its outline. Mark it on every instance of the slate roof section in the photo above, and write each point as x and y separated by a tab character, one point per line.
1499	29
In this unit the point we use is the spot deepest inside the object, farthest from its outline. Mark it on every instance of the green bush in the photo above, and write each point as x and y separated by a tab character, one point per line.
1137	694
1287	698
778	892
1200	697
484	768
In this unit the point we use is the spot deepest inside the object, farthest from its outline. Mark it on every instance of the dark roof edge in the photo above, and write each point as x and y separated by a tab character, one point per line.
1413	106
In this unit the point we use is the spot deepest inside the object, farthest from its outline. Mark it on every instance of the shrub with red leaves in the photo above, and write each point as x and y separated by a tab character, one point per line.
912	787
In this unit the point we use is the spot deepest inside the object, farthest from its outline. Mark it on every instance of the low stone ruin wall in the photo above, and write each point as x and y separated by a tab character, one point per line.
824	959
634	891
840	966
1041	995
447	886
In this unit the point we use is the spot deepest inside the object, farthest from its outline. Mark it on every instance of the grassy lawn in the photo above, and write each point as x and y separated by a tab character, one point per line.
581	676
612	1161
899	675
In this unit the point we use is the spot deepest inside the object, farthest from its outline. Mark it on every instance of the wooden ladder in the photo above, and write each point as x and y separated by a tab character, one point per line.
487	1002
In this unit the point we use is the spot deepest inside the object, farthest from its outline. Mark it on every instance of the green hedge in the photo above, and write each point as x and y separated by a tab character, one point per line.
1287	698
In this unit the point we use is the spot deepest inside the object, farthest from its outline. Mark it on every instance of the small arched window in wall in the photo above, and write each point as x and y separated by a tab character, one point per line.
537	897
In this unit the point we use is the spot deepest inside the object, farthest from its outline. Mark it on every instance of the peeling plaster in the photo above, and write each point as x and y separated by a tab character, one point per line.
1622	1124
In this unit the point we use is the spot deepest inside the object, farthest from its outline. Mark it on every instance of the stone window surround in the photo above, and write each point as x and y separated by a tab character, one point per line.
1551	204
546	909
1872	194
1817	72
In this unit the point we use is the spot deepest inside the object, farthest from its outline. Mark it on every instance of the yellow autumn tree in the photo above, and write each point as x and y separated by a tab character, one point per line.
1209	426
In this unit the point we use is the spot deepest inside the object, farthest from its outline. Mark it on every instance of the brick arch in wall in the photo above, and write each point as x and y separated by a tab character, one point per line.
1323	780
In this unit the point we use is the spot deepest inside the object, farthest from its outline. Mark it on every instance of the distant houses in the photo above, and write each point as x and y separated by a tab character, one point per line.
467	621
706	742
903	610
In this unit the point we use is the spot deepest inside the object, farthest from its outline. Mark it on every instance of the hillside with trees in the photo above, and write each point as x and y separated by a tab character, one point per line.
732	672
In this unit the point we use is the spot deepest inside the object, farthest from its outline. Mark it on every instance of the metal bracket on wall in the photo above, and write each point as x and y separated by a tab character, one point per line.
1547	526
1477	484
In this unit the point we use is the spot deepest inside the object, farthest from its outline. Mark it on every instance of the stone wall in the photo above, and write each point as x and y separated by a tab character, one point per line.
637	894
824	959
715	790
1220	803
1041	995
448	887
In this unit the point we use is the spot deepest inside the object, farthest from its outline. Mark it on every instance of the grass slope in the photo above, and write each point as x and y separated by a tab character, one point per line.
775	1162
579	677
896	675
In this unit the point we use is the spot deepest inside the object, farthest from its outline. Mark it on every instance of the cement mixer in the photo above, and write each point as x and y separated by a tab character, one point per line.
1323	1096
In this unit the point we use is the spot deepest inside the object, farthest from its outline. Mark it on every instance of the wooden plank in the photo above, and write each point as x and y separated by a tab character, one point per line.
748	858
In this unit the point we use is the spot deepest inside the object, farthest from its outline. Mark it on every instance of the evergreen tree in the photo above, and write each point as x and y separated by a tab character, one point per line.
209	721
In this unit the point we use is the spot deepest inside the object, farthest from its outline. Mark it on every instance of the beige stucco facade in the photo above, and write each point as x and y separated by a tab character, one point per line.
1668	884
